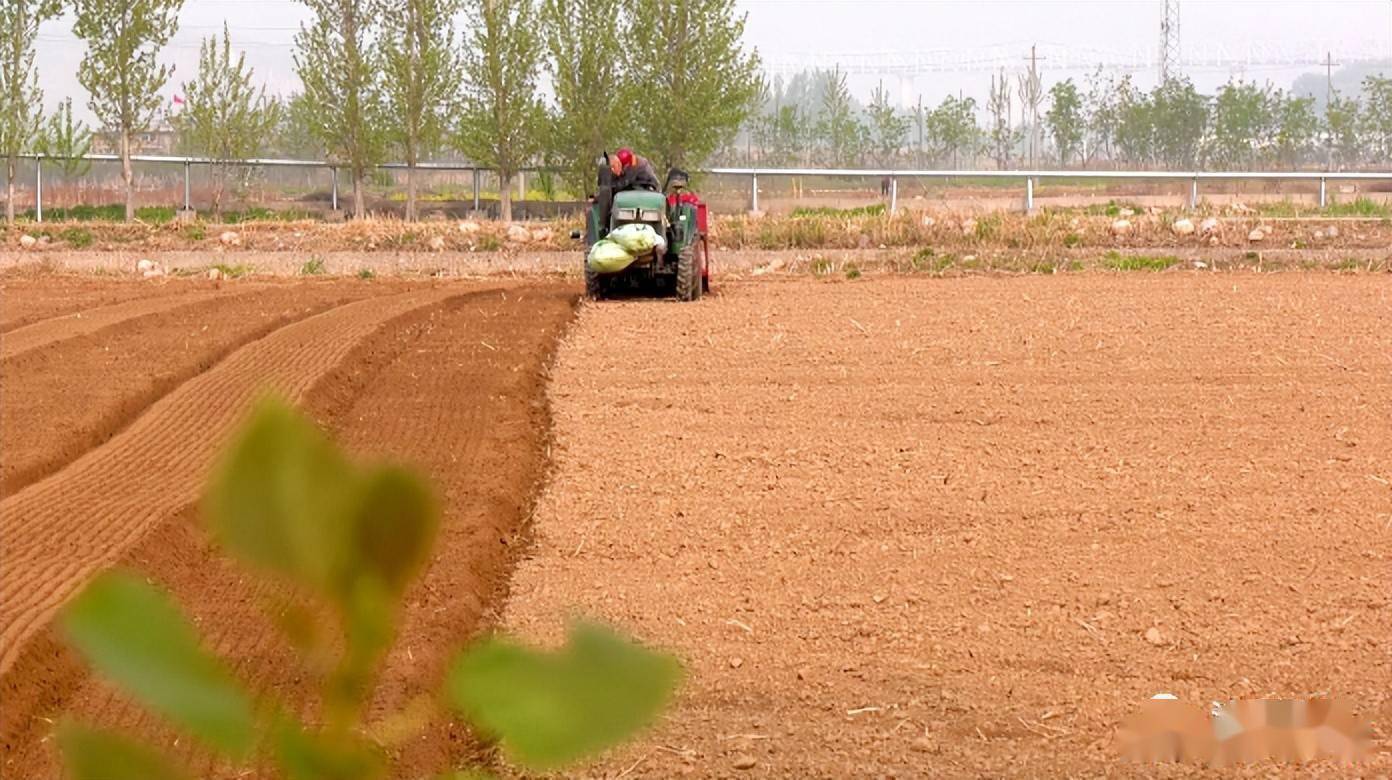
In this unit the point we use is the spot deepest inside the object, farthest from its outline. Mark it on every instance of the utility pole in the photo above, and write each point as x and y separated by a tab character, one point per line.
1329	65
1169	41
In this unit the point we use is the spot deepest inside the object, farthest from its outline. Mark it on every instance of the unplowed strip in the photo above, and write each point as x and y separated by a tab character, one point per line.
44	332
62	530
455	390
71	396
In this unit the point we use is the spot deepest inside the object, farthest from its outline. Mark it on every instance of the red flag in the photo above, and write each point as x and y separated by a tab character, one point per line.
178	101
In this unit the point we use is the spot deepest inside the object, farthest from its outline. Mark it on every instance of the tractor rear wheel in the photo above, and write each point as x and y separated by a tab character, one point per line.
690	270
594	285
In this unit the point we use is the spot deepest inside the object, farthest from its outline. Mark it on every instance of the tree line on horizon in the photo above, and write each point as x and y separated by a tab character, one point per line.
813	120
398	78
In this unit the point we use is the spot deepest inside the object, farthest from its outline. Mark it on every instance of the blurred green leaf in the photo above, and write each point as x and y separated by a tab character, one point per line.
394	524
552	708
280	496
92	754
136	637
305	755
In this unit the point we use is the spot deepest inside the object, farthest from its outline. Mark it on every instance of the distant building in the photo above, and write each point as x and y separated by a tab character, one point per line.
159	140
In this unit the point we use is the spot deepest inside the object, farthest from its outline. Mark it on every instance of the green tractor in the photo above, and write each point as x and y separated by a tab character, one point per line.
681	269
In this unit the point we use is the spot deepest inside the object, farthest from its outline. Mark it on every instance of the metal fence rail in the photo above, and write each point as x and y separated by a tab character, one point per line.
1028	177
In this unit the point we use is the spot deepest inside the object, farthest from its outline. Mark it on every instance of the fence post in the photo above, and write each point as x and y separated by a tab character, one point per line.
187	199
893	195
38	188
1029	194
334	196
754	193
476	190
1193	193
1323	193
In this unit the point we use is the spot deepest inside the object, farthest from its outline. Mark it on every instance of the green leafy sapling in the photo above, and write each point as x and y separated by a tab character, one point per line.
349	540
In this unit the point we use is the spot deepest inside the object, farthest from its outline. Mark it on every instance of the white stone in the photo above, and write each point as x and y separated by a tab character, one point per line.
1121	227
1209	225
1256	235
518	234
1183	227
969	227
229	238
214	274
28	242
469	227
437	243
145	265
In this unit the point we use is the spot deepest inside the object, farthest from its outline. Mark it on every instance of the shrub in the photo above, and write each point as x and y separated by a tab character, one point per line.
314	266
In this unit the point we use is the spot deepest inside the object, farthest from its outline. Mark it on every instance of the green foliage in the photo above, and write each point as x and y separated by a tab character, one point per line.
120	69
1120	262
137	638
224	117
366	273
93	754
839	132
698	81
314	266
1244	124
1065	119
20	96
420	78
75	237
295	134
550	709
950	129
503	119
852	271
1376	120
592	82
1342	130
288	504
235	271
1179	118
341	103
887	128
821	266
1297	129
66	141
873	210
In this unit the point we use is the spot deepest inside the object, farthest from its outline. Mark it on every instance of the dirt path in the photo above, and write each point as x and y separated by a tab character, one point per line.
454	387
66	398
922	528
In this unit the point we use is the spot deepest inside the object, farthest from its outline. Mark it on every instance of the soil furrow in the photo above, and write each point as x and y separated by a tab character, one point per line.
456	390
158	463
44	332
71	396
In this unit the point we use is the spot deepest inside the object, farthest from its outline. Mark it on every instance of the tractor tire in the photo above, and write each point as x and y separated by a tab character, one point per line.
594	285
689	273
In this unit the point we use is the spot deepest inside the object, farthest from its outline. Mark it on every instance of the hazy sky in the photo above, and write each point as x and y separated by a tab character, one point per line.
959	42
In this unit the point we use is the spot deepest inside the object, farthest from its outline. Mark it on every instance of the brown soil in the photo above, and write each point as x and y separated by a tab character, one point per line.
103	367
449	379
921	527
28	294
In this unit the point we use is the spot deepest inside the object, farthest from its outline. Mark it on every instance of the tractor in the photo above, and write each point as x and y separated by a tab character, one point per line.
683	269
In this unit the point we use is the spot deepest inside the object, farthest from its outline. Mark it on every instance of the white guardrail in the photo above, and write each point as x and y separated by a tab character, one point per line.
892	174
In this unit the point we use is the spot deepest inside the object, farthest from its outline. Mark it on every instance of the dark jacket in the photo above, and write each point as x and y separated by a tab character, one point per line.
639	176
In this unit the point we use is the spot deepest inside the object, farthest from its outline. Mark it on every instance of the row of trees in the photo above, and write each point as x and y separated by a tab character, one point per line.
813	120
397	78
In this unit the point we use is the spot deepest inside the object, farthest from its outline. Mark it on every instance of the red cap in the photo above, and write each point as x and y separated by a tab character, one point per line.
625	156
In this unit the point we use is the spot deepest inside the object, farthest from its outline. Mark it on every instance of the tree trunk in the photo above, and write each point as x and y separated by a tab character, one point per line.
219	184
9	191
127	175
411	191
505	197
359	207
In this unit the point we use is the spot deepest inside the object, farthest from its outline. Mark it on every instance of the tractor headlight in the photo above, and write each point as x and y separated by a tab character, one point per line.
652	215
627	214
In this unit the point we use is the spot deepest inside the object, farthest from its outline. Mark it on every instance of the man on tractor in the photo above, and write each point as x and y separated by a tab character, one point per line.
621	171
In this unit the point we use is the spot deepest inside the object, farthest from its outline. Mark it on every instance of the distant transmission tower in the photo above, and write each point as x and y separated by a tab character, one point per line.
1169	41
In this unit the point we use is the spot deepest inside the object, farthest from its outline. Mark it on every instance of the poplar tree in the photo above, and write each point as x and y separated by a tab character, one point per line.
119	70
20	96
421	79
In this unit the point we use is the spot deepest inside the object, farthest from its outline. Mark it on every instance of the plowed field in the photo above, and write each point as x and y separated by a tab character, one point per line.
895	526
